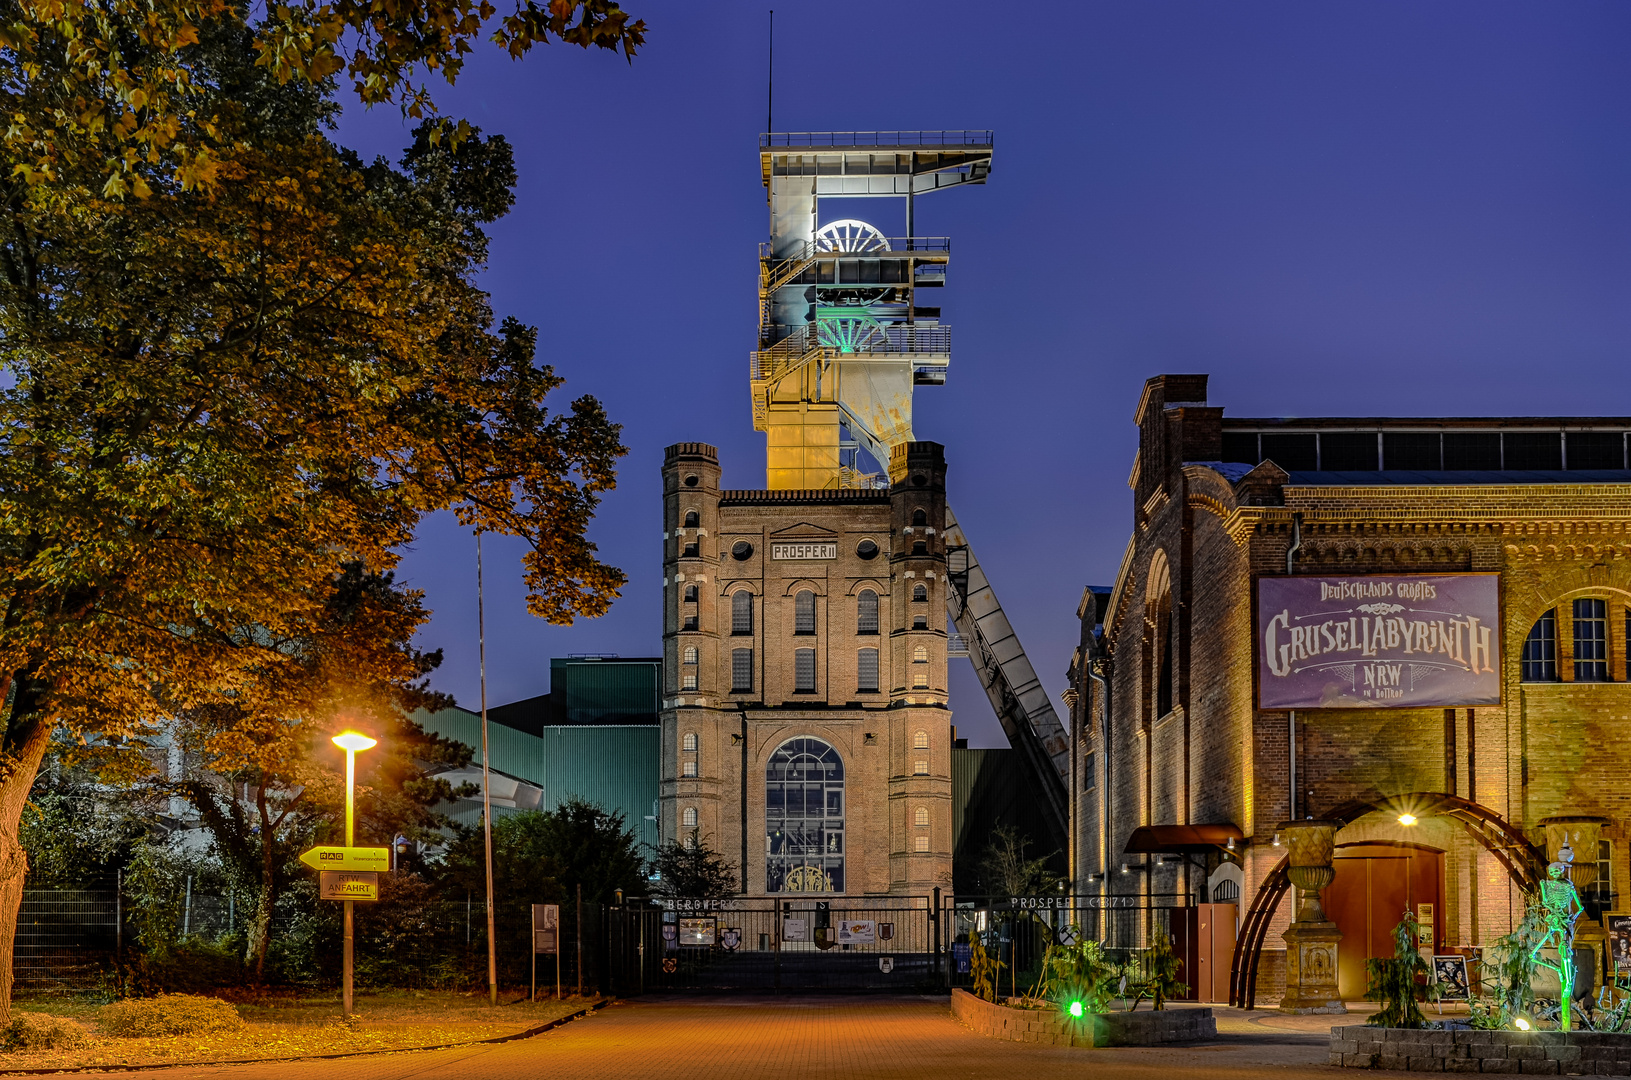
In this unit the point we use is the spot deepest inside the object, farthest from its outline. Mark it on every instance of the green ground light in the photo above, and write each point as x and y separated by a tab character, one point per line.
1076	1008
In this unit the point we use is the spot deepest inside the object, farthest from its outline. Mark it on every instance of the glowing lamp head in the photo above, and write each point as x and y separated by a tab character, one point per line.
354	741
1076	1009
1521	1024
1407	819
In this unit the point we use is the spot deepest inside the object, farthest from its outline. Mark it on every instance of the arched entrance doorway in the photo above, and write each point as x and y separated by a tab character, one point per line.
1523	862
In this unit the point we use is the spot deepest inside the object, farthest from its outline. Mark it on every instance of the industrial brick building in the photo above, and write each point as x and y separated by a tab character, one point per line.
1268	551
805	732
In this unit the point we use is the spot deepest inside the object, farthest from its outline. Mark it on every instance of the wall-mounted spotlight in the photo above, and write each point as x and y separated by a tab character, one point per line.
1276	839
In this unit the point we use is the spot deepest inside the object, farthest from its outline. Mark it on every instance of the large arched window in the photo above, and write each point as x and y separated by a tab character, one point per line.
866	612
804	818
741	612
920	593
804	621
690	519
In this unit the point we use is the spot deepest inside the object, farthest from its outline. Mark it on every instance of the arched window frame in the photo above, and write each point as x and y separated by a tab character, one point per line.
692	520
920	593
688	817
1538	662
742	611
920	740
688	742
804	612
804	817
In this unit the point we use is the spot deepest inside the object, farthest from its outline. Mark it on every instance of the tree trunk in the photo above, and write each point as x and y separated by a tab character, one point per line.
261	936
25	747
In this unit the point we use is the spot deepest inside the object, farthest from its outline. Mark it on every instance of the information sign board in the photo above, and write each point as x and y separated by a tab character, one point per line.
546	928
348	885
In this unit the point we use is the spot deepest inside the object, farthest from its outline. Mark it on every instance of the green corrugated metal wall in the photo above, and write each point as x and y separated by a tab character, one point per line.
614	766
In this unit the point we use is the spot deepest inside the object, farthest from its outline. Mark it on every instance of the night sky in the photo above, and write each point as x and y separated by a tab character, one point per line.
1396	209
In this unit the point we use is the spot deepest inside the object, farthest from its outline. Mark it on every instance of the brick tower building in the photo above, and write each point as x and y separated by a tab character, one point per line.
805	731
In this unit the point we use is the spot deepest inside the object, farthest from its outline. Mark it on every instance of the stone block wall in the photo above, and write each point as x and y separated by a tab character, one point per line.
1052	1027
1578	1053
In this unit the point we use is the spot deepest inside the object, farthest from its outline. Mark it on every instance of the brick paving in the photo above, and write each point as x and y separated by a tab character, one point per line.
741	1038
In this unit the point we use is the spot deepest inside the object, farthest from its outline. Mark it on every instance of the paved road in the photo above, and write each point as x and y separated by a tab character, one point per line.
733	1038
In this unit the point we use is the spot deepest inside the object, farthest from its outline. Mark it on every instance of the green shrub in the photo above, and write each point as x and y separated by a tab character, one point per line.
170	1014
34	1032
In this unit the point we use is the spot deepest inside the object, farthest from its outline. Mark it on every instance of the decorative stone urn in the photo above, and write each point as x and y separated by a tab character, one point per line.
1311	939
1580	833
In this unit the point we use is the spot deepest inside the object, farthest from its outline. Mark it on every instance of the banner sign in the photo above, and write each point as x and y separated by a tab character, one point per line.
698	931
1400	641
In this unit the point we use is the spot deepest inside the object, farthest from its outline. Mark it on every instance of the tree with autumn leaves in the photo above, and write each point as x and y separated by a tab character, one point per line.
238	363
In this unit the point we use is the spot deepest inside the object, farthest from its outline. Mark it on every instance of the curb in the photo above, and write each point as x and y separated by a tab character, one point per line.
527	1034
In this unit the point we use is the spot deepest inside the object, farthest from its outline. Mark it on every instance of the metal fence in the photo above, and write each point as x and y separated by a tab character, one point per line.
1018	931
66	938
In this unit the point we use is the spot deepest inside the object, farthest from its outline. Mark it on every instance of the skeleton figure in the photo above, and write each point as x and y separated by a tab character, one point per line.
1560	908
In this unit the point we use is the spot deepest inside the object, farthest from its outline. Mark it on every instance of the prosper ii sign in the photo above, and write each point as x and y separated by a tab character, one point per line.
1379	641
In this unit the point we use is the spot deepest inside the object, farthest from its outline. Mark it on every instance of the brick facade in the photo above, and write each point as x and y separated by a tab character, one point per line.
1185	742
894	741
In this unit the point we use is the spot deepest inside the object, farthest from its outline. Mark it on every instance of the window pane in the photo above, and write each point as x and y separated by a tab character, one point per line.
804	670
1353	451
920	593
741	612
804	617
1411	450
866	608
741	669
1596	450
1533	450
1466	451
1240	447
866	670
1540	650
1590	640
1293	453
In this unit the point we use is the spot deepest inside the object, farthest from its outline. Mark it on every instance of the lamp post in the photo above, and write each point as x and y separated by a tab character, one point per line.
351	742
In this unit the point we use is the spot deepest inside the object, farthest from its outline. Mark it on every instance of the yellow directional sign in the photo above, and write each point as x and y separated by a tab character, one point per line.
347	858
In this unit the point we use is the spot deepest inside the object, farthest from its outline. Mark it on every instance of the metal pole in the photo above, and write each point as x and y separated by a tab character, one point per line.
350	936
770	78
347	1000
486	784
580	939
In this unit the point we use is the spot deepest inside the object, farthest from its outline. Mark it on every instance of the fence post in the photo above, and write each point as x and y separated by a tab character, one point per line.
119	914
934	918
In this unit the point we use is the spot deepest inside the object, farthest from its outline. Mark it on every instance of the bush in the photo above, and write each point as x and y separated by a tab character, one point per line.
170	1014
34	1032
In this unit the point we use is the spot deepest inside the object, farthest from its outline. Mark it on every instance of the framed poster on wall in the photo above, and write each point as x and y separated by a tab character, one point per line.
1618	925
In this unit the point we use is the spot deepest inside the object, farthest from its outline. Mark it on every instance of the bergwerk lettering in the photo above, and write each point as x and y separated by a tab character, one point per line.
1465	640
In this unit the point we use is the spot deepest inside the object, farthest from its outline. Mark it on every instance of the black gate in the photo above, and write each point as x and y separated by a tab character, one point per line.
771	946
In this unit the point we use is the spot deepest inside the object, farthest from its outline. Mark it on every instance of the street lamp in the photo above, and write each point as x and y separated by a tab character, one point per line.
351	742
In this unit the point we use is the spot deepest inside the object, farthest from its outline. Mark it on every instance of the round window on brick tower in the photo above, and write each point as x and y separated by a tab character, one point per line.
867	549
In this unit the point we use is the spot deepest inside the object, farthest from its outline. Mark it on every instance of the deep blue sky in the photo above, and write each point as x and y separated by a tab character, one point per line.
1363	208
